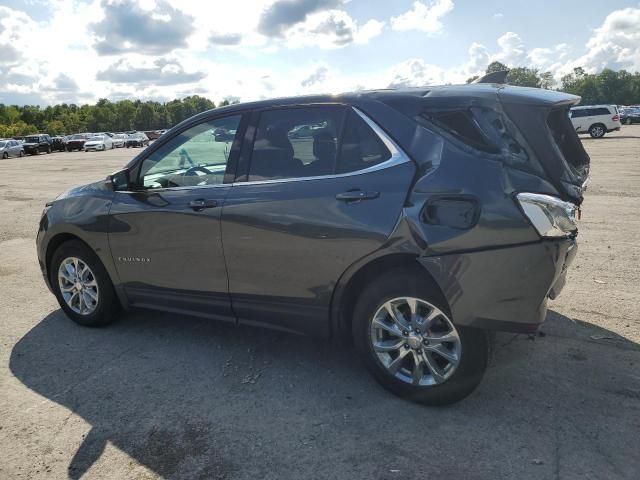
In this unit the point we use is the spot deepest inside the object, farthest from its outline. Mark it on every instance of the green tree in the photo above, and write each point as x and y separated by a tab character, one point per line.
524	77
496	67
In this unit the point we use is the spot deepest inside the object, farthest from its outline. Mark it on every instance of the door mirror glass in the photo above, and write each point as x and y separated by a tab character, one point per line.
118	180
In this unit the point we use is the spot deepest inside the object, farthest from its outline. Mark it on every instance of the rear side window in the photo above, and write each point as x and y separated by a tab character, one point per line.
601	111
361	148
296	143
312	142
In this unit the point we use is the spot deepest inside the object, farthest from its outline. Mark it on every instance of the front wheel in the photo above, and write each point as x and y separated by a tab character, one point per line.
405	336
597	131
82	286
5	155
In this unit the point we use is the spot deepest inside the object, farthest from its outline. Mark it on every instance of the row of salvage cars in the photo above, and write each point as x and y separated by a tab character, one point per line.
44	143
105	141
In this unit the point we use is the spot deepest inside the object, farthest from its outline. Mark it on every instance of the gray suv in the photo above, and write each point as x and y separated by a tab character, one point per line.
412	223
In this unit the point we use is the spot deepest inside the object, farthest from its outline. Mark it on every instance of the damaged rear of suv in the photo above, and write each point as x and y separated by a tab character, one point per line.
411	221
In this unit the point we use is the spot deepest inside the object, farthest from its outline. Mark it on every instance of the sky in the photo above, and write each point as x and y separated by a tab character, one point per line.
54	51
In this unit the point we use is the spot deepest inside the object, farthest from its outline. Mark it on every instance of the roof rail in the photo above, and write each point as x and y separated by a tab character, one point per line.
493	77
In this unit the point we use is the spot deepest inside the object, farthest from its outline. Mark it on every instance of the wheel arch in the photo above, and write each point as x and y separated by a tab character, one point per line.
60	238
354	280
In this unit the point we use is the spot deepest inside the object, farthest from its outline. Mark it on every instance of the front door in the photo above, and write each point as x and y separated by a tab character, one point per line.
165	233
323	190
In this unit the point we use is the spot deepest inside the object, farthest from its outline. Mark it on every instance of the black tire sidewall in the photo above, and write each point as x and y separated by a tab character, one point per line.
107	301
474	342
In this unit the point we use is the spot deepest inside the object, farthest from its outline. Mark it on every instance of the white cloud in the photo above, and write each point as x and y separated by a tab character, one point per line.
331	29
423	17
616	44
498	16
224	54
512	51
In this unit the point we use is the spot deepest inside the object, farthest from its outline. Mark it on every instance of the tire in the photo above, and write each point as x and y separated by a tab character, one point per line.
472	346
597	130
627	121
105	310
5	155
21	154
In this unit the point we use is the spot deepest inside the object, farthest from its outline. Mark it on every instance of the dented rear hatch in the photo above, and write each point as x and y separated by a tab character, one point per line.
542	118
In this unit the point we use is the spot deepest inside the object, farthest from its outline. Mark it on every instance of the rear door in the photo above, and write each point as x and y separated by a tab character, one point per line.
165	234
307	204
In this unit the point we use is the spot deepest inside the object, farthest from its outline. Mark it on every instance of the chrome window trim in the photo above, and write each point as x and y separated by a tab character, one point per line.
398	157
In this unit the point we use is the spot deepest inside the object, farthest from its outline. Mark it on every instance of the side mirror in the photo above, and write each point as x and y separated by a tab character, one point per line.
118	180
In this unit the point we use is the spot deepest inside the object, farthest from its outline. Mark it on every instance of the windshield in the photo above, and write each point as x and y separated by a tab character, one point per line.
31	140
98	138
77	137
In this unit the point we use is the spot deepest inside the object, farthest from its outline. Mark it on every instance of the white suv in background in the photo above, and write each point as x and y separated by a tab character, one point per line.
596	120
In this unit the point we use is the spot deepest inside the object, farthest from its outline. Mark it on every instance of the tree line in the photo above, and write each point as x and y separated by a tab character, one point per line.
104	116
608	87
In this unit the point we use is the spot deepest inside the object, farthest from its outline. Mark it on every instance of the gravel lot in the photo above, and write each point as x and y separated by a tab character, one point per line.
158	395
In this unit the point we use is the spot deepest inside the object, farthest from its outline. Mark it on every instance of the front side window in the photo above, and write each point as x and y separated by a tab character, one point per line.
197	156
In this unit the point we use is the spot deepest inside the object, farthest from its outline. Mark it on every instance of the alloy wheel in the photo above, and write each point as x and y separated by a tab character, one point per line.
415	341
78	286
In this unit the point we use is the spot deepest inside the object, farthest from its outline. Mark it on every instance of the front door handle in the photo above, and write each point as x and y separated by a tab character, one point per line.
202	203
356	196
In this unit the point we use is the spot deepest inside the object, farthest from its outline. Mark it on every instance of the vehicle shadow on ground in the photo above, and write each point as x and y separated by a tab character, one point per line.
189	398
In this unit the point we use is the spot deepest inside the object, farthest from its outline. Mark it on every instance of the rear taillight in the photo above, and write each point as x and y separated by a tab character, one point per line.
615	118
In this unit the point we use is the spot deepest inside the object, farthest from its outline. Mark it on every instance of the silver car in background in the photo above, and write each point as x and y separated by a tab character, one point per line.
11	148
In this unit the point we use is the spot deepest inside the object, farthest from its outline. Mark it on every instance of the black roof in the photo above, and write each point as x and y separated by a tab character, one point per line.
440	92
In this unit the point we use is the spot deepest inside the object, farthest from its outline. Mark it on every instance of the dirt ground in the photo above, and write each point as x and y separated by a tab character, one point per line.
158	395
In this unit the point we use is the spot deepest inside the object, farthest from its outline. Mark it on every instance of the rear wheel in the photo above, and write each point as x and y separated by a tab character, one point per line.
627	121
405	336
21	154
48	149
5	155
82	286
597	130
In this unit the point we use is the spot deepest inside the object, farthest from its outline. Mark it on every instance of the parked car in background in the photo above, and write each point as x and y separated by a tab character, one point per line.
34	144
367	231
58	144
11	148
98	142
596	120
119	140
629	115
76	142
155	134
138	139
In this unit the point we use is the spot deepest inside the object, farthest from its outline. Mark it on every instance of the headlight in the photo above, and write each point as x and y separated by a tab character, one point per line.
550	216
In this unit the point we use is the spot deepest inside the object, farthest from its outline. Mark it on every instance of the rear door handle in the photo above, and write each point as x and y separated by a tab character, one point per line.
202	203
356	196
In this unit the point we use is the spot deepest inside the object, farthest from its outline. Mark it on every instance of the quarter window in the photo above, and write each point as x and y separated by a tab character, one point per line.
197	156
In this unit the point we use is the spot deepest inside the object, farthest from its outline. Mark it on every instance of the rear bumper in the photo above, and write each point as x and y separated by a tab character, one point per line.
504	288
